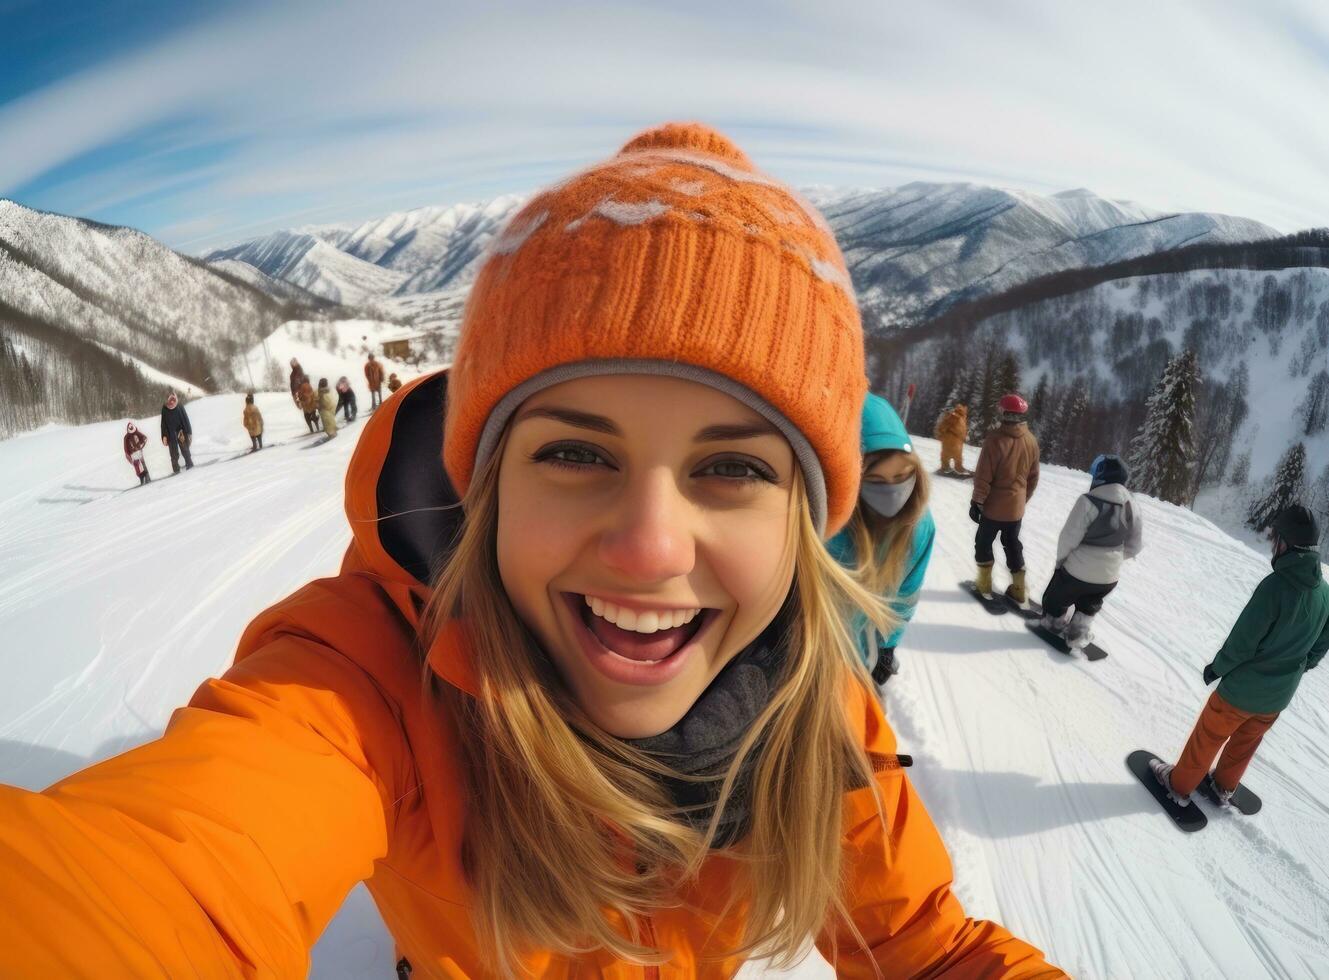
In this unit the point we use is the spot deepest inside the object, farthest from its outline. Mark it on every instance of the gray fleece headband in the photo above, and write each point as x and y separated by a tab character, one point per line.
808	462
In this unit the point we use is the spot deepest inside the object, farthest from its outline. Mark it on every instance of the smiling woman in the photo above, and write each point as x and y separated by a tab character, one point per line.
645	743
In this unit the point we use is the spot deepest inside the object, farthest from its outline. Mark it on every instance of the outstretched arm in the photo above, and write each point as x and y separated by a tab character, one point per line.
223	847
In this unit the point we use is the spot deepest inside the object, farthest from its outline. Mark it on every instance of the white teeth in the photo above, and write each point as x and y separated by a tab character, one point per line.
650	621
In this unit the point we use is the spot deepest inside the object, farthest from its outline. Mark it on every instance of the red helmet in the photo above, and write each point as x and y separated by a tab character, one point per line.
1013	403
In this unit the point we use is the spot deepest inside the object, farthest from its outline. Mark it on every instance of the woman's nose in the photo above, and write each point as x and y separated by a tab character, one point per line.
650	537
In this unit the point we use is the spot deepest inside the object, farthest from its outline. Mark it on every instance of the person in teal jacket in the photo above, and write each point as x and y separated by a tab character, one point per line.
892	526
1282	633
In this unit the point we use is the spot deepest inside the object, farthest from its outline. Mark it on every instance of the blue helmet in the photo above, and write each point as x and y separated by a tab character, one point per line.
1108	468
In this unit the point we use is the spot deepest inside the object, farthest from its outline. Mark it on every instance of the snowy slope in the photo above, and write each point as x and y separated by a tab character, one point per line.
115	605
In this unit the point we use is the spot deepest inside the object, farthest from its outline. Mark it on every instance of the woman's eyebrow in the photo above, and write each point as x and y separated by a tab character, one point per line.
582	420
742	430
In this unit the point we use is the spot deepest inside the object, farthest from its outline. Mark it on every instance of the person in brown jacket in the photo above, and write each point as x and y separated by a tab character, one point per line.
393	382
1004	480
952	428
374	377
253	424
307	398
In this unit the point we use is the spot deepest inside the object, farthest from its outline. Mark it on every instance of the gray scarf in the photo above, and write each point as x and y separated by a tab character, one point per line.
706	739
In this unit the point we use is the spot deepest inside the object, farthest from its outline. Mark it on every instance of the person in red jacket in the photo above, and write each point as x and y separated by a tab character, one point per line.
605	718
134	443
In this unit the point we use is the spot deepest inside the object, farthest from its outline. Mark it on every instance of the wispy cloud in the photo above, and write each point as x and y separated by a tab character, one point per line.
343	110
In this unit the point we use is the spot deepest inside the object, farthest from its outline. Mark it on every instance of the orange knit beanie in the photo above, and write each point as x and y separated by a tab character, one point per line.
675	257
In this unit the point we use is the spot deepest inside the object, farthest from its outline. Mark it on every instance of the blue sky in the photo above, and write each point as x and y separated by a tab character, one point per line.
206	123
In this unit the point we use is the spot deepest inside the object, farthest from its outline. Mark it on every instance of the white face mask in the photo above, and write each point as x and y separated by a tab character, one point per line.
888	499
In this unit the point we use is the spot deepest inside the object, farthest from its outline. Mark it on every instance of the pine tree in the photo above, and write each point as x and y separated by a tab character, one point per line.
1008	375
1163	450
1072	448
1039	401
1286	487
1241	470
1315	409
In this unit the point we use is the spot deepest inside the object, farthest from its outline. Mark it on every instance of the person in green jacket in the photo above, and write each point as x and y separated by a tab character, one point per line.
1282	633
892	526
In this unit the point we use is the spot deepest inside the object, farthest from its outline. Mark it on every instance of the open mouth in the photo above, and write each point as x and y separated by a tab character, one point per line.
633	646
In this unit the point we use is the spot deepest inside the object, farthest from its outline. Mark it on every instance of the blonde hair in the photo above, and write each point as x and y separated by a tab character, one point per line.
570	841
882	544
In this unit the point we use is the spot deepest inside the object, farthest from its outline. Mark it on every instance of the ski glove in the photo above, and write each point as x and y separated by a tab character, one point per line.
975	513
1209	675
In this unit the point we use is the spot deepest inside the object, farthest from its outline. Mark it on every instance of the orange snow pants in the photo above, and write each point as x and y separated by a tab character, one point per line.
1220	723
952	449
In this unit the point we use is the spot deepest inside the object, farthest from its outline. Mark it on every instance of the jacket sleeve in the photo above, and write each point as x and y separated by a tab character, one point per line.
983	474
1135	536
1318	648
905	602
1073	531
221	849
164	432
1249	631
1031	481
899	897
189	429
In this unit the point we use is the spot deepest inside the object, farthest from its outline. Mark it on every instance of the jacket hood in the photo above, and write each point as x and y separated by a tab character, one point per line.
1014	429
403	511
882	428
1300	567
1114	493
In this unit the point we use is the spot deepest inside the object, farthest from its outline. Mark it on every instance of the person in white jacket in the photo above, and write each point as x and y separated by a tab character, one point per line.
1103	530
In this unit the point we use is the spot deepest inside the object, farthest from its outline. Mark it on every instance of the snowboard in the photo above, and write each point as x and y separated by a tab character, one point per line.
996	605
1243	800
1030	610
1187	818
953	474
1091	651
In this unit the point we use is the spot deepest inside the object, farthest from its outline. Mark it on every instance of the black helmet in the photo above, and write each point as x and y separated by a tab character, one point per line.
1296	526
1108	469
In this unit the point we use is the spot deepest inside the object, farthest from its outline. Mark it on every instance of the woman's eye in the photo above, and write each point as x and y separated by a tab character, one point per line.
739	470
569	457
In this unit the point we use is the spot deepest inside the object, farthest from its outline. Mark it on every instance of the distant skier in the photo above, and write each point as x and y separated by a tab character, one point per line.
393	382
177	433
298	379
346	399
1104	529
307	400
327	408
952	428
253	419
374	378
892	525
1282	633
135	441
1004	480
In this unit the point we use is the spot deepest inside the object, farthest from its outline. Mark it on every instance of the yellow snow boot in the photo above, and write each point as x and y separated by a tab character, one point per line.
1017	592
984	581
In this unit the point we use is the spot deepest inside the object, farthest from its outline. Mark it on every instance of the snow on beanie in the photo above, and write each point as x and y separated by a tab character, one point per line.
675	257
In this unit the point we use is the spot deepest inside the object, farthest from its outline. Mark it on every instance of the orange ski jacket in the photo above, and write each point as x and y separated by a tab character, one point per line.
223	848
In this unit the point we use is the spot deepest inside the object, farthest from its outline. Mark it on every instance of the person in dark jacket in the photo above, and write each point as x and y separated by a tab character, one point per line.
1282	633
1004	480
176	432
134	443
1104	529
346	399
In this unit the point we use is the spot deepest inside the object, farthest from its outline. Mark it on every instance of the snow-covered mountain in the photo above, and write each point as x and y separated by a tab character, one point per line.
309	262
438	247
915	251
1019	751
92	317
278	289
